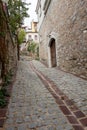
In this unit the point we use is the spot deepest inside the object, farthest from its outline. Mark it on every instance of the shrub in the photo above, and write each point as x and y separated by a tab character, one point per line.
3	101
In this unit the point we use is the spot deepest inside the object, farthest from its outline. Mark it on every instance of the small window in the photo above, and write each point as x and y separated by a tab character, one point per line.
35	37
30	37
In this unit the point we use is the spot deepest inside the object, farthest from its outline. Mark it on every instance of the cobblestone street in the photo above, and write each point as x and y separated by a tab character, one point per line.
43	64
33	107
75	88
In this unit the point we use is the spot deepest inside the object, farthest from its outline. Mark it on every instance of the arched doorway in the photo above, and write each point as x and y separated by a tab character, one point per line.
52	45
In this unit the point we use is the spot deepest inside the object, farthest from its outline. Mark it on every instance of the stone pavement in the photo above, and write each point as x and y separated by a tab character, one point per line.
33	107
69	91
74	87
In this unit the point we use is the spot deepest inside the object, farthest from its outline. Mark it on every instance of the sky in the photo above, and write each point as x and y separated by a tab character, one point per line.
31	12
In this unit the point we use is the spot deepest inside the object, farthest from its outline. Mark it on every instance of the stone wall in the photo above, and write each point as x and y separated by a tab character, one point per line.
12	53
66	22
8	48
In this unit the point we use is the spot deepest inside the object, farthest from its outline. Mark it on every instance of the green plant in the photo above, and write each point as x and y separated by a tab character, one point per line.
37	58
3	101
1	94
32	47
7	78
17	12
2	34
4	92
21	36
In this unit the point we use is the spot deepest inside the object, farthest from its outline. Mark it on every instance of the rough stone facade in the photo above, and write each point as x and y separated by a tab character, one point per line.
66	22
12	53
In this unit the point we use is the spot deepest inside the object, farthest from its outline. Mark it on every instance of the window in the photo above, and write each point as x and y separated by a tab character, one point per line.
29	37
35	37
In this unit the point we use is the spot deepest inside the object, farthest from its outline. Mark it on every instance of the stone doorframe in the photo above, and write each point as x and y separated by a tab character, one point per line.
52	36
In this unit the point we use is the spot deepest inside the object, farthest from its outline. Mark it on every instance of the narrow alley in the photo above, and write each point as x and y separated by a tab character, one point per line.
33	107
43	64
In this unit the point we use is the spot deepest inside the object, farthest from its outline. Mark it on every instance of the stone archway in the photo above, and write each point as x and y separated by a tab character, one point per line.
52	46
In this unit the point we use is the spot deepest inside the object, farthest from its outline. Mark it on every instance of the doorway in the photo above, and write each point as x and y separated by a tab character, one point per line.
53	52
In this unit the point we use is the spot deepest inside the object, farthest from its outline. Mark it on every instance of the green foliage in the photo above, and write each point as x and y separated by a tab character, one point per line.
37	58
32	47
17	12
3	101
7	78
3	92
2	34
21	36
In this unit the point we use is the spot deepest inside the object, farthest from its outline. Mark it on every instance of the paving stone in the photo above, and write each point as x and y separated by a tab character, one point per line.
42	128
78	127
72	120
19	120
65	110
84	121
68	128
32	125
10	128
22	127
10	121
74	87
27	119
51	128
31	105
79	114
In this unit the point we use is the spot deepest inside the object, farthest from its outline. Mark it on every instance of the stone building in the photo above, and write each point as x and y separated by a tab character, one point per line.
32	34
63	34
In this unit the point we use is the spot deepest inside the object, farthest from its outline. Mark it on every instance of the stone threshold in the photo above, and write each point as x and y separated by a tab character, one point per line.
76	117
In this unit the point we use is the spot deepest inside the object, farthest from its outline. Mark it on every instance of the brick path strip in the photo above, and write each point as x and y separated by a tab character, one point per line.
75	116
